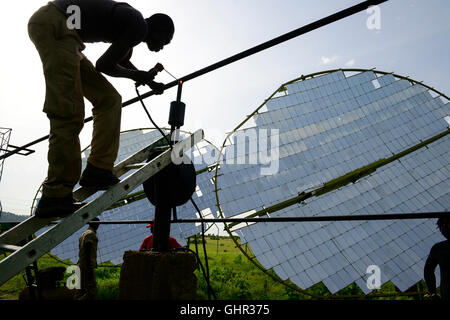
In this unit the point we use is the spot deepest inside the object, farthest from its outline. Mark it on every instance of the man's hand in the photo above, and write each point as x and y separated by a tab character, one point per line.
158	67
145	78
157	87
148	77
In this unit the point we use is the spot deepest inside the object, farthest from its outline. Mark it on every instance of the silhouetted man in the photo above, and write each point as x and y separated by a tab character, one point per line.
59	30
87	261
439	255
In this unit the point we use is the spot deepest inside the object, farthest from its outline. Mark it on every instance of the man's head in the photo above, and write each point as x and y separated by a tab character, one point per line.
444	226
160	31
94	226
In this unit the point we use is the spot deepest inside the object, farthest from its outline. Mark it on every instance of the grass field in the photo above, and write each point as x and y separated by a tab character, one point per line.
232	276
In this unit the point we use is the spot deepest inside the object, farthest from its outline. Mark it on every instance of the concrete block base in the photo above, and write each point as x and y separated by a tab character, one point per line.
147	275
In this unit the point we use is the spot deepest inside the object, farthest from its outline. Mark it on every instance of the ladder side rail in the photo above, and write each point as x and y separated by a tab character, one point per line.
23	230
138	157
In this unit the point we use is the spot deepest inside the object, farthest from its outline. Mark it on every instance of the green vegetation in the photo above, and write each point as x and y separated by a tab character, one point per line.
232	276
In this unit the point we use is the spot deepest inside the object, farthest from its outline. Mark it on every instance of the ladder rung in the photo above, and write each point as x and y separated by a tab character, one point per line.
9	247
135	166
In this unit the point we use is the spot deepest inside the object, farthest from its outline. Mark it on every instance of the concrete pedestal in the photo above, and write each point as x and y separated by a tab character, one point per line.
147	275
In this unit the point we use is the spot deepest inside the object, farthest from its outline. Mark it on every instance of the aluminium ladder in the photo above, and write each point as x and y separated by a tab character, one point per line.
22	256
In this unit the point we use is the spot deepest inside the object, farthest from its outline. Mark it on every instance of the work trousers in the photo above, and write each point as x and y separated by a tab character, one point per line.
69	77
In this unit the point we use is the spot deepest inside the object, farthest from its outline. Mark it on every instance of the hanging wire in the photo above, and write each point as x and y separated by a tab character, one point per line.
210	290
170	74
151	119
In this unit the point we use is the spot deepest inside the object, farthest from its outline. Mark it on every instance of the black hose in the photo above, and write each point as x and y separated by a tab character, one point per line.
204	246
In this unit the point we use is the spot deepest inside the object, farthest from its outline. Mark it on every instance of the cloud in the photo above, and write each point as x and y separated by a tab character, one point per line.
328	60
350	63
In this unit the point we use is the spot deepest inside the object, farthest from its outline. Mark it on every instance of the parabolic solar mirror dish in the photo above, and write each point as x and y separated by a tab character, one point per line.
115	239
350	142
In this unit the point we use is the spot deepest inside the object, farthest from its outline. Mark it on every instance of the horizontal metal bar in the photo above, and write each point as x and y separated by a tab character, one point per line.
364	217
359	217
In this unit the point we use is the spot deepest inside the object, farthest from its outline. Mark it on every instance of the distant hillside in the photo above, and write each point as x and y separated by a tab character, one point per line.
8	216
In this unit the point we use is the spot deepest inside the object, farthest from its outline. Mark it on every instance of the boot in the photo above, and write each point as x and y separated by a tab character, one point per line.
57	207
100	179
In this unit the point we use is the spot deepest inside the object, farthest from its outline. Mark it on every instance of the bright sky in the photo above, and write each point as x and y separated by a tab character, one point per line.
412	41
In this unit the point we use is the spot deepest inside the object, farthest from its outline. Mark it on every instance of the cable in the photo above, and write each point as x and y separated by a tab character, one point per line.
204	246
203	242
170	74
151	120
210	289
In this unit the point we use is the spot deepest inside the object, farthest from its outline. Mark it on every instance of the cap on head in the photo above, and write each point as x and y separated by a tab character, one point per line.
160	31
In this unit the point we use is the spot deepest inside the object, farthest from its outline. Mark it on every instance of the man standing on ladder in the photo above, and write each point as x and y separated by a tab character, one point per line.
59	31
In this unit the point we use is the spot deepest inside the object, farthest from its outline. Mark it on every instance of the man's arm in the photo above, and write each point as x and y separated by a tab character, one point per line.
117	53
126	63
125	69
